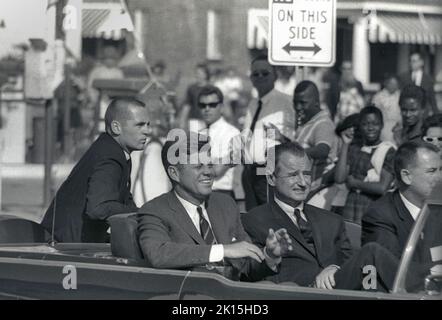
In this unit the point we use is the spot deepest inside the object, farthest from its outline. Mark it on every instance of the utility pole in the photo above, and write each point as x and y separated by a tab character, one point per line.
50	106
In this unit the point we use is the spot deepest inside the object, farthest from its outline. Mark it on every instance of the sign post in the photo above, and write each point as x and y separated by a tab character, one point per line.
302	32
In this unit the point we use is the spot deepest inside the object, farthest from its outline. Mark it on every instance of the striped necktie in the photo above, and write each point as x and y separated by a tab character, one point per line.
205	229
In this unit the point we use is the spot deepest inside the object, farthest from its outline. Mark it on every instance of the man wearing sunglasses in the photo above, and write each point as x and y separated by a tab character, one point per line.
271	108
221	134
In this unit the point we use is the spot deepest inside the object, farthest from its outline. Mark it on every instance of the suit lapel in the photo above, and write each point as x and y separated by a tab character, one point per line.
285	222
216	223
315	225
183	219
403	214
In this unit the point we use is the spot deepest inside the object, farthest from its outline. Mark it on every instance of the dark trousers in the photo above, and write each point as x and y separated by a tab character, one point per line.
255	187
351	275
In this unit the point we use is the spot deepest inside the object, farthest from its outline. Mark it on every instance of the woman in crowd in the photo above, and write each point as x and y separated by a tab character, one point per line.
366	167
432	130
387	100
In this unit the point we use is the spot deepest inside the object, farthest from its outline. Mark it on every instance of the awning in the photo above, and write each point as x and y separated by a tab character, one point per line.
405	28
257	28
105	23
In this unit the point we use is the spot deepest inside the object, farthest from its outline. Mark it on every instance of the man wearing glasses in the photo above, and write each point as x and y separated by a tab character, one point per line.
222	137
270	109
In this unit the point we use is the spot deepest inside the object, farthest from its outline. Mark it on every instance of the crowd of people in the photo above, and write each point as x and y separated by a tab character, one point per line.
382	156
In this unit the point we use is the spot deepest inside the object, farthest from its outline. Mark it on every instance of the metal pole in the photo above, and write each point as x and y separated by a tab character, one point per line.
67	132
49	150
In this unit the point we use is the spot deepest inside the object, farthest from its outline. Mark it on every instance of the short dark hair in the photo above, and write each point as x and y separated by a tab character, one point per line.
432	121
412	91
405	155
307	85
208	90
186	141
416	53
371	109
118	109
292	147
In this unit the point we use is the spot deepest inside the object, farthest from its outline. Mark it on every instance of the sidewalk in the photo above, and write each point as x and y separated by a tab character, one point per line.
22	188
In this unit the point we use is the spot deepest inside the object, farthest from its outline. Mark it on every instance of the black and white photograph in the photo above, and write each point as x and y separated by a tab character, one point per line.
242	151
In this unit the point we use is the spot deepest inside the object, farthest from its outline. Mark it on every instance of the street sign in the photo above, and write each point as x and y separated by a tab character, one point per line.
302	32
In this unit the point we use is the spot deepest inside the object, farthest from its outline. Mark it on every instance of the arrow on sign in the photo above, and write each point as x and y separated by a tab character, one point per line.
289	48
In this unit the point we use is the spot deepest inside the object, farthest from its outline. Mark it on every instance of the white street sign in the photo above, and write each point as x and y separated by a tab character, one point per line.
302	32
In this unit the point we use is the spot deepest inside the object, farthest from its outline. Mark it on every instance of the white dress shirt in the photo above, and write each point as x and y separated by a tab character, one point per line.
222	135
414	210
290	211
416	76
217	250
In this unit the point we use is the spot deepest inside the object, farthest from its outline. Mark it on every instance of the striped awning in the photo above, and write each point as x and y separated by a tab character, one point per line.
405	28
105	23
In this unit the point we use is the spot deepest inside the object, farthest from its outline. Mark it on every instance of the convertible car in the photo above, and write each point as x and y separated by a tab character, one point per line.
33	268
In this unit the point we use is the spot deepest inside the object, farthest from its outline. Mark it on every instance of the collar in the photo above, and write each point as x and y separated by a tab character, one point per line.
265	99
126	154
369	149
414	210
316	117
288	209
217	123
189	206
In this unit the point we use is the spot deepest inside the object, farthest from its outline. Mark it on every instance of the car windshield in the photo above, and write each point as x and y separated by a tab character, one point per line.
426	261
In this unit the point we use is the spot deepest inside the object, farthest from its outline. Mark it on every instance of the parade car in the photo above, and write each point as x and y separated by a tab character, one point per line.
32	268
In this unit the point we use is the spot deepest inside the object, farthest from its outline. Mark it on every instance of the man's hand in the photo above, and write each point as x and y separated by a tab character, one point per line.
243	249
326	278
278	136
278	243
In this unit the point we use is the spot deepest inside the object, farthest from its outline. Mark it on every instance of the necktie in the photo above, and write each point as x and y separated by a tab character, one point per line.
255	117
305	228
205	229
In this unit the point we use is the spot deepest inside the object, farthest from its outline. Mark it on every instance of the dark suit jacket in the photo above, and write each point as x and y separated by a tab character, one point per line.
97	187
427	84
169	239
387	222
301	265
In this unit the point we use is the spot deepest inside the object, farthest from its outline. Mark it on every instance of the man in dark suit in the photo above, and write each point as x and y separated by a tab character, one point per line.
99	185
389	220
192	227
321	254
418	77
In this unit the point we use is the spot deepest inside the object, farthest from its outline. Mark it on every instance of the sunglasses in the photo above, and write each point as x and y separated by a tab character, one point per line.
260	74
203	105
431	139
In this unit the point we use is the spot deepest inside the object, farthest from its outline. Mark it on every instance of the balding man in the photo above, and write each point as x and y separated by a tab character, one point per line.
99	185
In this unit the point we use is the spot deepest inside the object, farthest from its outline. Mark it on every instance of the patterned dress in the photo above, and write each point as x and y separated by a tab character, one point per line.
360	163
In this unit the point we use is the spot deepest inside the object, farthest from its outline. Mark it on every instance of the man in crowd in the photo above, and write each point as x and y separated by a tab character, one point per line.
270	108
417	76
191	227
315	130
389	220
99	185
321	255
412	105
221	134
